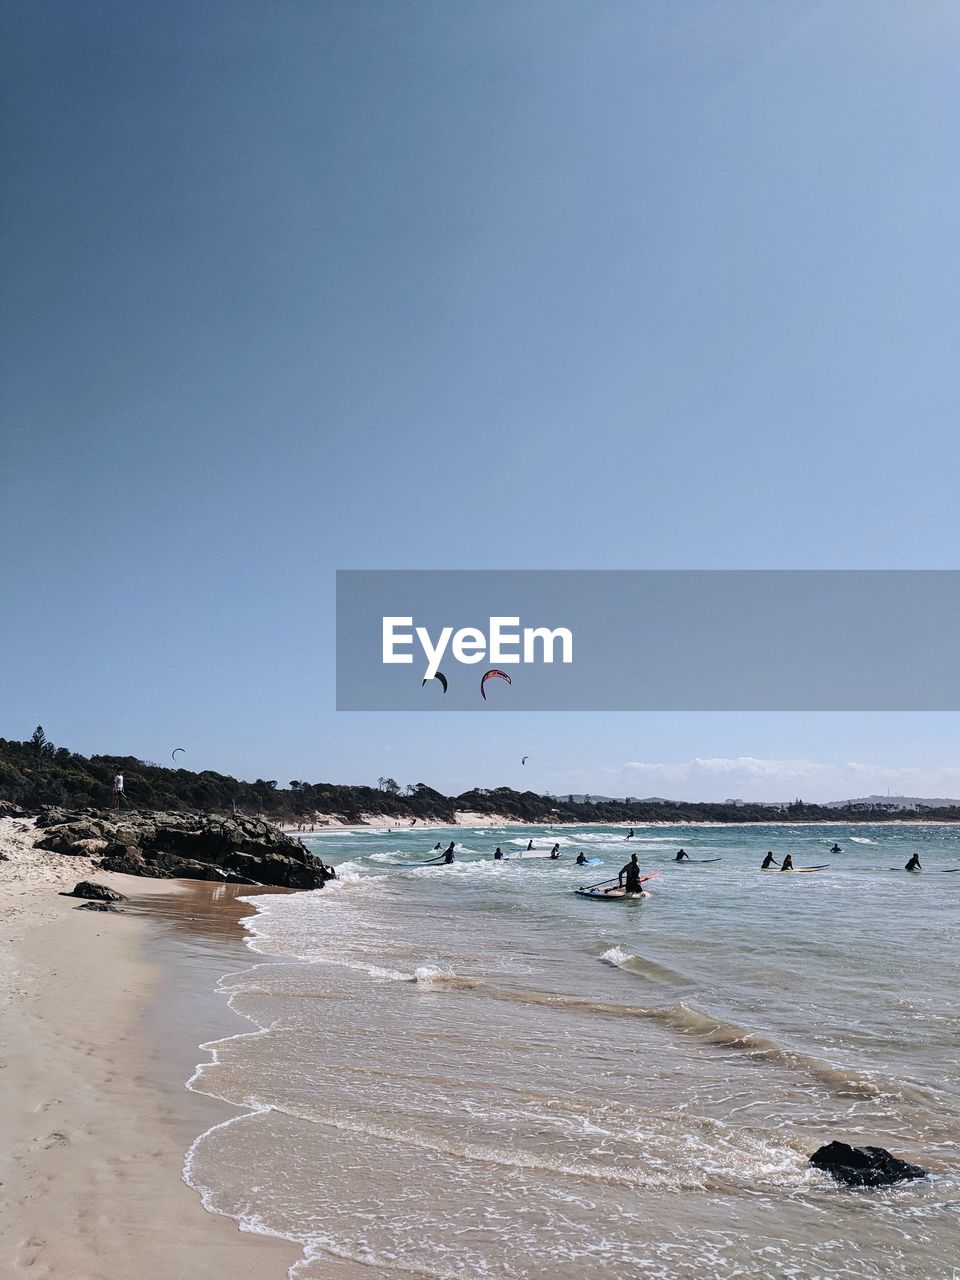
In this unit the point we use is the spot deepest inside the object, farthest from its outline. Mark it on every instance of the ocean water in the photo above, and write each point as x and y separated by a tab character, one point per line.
469	1071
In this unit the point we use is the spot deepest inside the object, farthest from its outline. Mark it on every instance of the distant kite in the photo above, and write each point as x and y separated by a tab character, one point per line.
493	673
173	753
439	676
525	759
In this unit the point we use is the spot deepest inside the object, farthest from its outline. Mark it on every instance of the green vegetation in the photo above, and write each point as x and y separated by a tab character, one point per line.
36	773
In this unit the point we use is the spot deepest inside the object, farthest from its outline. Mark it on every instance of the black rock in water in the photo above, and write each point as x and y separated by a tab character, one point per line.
99	906
100	892
863	1166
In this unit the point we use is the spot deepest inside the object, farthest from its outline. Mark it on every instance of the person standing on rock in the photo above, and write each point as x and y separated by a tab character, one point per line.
117	789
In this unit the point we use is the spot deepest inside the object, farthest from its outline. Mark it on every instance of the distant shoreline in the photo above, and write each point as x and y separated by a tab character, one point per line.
468	820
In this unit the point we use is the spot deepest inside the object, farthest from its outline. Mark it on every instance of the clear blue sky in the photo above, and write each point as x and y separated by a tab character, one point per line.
295	287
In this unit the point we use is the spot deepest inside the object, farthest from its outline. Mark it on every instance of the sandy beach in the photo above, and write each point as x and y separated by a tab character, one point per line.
100	1016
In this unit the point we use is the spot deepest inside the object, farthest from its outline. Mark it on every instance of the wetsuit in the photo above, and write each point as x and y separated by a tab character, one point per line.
682	856
769	861
787	864
913	864
581	860
498	854
555	851
632	873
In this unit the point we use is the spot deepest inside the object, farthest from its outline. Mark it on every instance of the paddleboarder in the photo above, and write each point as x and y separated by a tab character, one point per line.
632	873
914	864
445	858
682	856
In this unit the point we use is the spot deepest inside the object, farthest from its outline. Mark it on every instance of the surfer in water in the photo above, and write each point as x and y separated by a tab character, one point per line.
438	845
498	854
581	859
787	864
682	856
629	835
769	861
632	873
835	849
555	851
445	858
914	864
529	846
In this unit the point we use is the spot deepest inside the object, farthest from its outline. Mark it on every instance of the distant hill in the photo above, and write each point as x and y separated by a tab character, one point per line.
894	802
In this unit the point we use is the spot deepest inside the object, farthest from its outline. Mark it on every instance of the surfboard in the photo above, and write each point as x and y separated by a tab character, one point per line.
682	862
614	895
796	869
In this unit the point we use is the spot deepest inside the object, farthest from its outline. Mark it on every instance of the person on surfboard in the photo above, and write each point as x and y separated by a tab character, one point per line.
787	864
682	856
629	835
914	864
555	851
529	846
497	854
769	861
632	873
581	859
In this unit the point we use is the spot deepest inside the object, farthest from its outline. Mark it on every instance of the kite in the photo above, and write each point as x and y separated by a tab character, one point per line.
173	753
439	676
525	759
493	672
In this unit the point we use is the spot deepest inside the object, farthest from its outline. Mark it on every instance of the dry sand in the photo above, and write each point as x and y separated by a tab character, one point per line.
93	1110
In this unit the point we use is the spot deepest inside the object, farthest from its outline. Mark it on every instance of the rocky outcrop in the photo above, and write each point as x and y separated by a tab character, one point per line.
235	850
99	906
863	1166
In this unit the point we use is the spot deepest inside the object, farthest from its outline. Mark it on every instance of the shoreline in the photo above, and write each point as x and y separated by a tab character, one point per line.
664	825
101	1019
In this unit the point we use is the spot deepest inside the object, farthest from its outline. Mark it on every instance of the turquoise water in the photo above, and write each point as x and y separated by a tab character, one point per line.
470	1071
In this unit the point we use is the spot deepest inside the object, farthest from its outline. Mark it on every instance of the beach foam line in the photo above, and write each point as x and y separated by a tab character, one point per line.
785	1155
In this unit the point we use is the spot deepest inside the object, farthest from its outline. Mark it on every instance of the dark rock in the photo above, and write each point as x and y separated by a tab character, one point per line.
99	906
232	850
90	889
863	1166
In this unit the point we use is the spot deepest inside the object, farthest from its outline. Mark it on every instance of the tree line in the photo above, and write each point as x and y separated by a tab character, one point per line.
36	773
